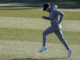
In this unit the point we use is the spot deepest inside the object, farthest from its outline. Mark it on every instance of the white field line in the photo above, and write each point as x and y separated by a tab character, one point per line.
35	23
27	49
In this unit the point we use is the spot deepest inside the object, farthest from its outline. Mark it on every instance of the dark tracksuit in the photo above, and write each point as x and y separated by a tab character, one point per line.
54	17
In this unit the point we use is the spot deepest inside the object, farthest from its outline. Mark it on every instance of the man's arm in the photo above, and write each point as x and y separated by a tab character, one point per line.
61	15
44	17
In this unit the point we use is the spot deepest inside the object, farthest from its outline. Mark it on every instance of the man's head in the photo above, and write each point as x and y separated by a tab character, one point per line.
46	7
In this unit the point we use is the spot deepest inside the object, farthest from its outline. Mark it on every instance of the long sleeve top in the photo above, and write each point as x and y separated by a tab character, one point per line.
55	15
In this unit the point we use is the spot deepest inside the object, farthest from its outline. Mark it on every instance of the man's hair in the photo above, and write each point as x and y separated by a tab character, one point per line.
45	6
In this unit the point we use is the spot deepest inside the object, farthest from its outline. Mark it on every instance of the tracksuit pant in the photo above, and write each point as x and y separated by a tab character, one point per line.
56	29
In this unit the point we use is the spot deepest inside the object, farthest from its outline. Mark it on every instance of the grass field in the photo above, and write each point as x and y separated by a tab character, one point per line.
21	35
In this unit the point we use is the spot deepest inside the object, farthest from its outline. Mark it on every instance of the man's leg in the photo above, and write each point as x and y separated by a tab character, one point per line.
60	36
45	33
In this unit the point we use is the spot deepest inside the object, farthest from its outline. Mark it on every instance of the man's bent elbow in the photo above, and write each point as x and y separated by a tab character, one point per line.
62	14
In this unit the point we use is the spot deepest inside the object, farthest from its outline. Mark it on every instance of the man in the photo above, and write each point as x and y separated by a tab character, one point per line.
55	26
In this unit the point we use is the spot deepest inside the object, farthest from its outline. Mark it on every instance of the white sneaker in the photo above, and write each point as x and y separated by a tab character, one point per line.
69	53
42	49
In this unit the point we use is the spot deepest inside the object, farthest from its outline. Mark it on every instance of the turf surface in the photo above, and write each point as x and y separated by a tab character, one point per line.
21	35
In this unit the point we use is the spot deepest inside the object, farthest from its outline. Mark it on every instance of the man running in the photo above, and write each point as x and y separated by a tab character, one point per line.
55	26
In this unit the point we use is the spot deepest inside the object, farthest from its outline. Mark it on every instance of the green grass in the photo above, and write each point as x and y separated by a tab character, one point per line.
36	35
21	35
37	13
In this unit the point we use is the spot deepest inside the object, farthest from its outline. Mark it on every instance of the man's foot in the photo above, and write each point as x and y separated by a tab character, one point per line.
42	49
69	52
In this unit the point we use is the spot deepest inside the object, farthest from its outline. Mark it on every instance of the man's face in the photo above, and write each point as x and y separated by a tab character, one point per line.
48	9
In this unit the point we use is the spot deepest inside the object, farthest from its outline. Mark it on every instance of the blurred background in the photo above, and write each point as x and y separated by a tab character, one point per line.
38	3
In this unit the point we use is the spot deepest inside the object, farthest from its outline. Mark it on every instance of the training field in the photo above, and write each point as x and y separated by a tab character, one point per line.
21	35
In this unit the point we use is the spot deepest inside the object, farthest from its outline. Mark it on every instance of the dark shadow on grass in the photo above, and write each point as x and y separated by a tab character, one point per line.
41	59
21	6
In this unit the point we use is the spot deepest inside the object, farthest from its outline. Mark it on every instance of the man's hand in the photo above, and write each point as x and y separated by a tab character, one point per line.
58	22
43	17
